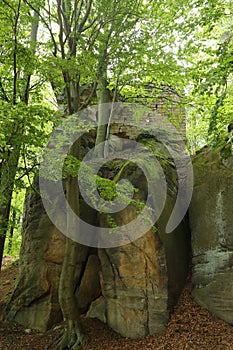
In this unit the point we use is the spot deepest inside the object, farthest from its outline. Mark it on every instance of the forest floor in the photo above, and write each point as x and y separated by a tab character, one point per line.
190	327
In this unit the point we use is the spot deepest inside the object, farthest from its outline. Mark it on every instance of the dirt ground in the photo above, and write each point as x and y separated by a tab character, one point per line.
190	327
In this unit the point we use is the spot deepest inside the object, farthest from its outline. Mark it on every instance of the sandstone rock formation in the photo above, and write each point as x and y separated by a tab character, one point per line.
211	222
34	302
133	287
142	281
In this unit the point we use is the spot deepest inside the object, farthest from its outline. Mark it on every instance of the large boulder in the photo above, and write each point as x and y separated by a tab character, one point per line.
132	287
211	222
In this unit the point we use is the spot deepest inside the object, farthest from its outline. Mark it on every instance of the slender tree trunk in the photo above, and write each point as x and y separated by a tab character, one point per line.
104	108
11	232
33	37
4	215
7	180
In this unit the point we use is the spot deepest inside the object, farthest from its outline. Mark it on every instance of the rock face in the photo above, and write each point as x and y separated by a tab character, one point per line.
211	221
141	281
34	302
89	288
133	288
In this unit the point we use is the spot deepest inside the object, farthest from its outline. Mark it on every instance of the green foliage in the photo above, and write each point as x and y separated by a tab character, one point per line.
26	118
211	95
184	44
13	244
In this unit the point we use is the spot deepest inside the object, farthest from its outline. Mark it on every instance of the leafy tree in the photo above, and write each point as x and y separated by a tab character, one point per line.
105	46
89	51
22	119
211	78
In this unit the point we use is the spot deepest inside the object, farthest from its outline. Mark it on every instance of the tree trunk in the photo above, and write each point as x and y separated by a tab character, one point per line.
103	95
73	336
7	180
11	232
4	218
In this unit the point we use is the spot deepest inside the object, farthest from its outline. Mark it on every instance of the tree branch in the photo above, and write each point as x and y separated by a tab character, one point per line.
46	25
85	18
15	77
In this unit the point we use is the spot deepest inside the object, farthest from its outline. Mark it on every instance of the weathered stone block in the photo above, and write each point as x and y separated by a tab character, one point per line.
211	223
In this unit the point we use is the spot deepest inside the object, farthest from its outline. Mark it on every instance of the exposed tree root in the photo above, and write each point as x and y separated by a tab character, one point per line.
73	337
